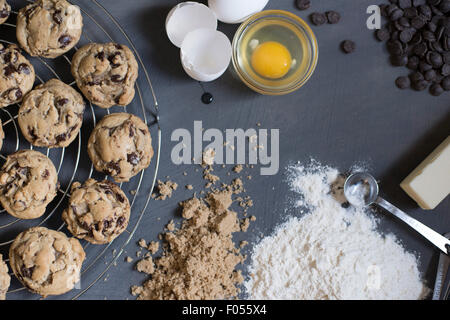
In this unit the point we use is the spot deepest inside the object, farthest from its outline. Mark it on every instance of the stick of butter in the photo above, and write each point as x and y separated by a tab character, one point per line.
429	183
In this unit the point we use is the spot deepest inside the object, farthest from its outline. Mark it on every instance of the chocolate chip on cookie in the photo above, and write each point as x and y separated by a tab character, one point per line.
28	183
105	73
5	10
120	145
98	211
16	75
45	261
62	18
51	115
5	279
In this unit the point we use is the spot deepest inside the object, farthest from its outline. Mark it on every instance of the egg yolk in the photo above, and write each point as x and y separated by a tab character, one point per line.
271	60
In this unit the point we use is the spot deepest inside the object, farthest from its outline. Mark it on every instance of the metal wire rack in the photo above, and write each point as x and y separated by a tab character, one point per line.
71	162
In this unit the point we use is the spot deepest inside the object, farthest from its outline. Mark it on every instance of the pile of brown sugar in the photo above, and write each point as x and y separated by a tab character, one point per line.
199	259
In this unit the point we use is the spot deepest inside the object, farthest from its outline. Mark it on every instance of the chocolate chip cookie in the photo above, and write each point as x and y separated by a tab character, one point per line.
98	211
5	10
47	262
120	146
28	183
2	134
105	73
16	75
49	28
5	279
51	115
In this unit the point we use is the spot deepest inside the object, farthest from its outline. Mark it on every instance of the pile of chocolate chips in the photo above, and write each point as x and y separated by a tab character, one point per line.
418	37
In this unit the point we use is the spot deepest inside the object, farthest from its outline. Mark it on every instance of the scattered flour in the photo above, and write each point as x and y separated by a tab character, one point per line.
330	252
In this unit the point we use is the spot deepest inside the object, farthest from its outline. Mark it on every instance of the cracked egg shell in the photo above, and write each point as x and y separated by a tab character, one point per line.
205	54
186	17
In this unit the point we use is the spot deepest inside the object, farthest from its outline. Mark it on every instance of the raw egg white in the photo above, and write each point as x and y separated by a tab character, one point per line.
236	11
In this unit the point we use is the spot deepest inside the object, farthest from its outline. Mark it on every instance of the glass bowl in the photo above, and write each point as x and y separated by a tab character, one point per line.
286	28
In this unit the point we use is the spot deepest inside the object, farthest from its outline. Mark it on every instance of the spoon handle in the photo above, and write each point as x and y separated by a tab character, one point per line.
435	238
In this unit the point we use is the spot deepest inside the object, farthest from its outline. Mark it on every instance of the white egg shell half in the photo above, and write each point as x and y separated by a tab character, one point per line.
186	17
236	11
205	54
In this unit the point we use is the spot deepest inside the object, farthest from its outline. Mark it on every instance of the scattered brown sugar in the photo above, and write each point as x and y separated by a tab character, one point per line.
153	247
142	243
129	259
245	223
238	168
171	226
189	187
166	189
199	259
146	265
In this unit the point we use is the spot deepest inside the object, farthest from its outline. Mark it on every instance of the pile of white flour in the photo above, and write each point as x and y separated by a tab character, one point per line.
330	252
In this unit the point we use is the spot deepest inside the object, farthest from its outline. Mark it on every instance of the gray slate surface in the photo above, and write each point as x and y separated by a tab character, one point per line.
349	111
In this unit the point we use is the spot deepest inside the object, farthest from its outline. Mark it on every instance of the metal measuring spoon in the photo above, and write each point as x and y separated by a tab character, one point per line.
364	184
443	265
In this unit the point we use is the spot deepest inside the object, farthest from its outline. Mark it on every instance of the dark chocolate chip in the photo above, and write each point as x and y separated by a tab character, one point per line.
61	137
423	66
399	61
446	83
430	75
119	197
303	4
120	222
24	68
396	14
382	34
106	224
100	56
18	93
45	174
116	78
413	62
9	70
445	70
420	49
57	17
404	4
32	134
111	60
420	85
395	47
345	205
348	46
418	22
318	18
333	17
113	166
4	13
64	40
436	89
403	82
61	102
410	12
435	59
27	272
133	158
406	36
416	76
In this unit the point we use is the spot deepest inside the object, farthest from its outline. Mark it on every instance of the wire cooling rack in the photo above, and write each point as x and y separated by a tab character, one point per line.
71	162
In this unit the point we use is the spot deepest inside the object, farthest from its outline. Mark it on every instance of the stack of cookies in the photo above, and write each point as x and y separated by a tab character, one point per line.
50	115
